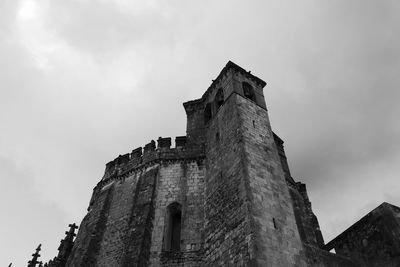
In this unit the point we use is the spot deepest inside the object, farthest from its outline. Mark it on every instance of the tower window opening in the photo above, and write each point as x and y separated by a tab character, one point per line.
207	113
219	98
172	240
248	91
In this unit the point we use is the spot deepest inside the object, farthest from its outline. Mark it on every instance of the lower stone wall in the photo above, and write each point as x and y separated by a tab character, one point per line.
179	182
117	229
227	228
137	245
184	258
91	231
118	221
307	222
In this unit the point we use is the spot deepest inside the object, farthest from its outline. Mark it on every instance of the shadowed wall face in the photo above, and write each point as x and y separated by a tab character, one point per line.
117	229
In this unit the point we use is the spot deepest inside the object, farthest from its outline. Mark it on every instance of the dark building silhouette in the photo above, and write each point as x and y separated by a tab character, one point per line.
223	196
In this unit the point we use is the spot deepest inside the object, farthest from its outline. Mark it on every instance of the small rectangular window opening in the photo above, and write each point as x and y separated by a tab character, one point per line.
172	238
176	232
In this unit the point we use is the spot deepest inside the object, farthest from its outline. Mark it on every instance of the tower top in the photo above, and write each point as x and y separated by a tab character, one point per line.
237	68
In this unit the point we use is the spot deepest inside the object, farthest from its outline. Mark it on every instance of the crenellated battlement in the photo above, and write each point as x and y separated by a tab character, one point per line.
152	152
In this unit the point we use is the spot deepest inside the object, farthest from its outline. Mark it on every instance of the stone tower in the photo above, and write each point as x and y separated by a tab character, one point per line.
222	196
249	217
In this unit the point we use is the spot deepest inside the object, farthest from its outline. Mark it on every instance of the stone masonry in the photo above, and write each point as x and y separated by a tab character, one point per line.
222	196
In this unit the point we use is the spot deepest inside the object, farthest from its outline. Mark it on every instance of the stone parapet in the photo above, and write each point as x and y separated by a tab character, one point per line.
151	153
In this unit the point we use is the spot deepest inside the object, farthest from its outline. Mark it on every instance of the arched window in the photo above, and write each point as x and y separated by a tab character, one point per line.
219	98
207	113
248	91
172	238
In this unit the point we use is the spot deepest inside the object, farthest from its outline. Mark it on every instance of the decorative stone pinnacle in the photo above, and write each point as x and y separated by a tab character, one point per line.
35	256
66	244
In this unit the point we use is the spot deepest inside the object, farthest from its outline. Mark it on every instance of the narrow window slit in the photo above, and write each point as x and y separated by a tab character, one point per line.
172	239
219	98
248	91
207	113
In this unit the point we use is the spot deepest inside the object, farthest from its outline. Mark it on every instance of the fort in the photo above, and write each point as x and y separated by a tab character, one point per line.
223	195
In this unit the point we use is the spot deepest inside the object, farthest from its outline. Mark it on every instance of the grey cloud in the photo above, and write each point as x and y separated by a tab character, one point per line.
351	115
107	29
25	215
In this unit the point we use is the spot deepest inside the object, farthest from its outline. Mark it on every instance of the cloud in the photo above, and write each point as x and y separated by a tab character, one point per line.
26	214
351	96
342	138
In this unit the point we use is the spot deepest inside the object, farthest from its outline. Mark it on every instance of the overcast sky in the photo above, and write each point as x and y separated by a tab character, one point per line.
84	81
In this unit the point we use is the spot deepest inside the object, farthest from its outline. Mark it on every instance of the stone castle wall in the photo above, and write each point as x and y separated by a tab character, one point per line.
226	186
126	216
